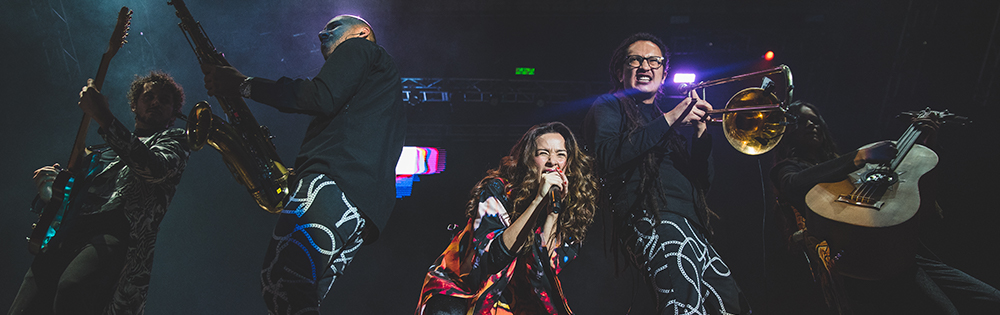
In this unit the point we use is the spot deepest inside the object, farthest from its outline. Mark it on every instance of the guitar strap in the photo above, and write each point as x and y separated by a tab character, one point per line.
800	221
819	261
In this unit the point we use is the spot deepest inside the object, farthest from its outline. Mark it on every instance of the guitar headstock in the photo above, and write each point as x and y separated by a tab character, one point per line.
121	30
928	118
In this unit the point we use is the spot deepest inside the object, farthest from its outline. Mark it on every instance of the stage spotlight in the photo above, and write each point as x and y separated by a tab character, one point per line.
769	55
683	77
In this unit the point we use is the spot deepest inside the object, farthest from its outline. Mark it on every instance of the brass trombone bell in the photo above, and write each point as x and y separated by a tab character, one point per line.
754	118
757	129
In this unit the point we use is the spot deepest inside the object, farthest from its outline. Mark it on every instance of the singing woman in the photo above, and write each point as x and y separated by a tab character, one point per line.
527	219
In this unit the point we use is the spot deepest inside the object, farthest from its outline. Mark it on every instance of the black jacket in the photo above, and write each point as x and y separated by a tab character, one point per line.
359	126
620	155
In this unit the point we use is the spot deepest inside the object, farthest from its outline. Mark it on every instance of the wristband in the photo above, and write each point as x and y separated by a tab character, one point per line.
245	87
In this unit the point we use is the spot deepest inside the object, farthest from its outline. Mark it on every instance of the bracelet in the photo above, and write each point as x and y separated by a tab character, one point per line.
245	87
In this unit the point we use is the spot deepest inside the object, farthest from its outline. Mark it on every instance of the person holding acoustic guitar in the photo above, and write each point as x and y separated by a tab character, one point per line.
807	159
99	259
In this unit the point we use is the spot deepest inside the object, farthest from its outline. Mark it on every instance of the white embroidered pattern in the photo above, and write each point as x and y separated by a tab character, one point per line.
691	268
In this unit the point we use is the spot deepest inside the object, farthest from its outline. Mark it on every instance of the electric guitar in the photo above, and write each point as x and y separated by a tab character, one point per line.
51	217
868	218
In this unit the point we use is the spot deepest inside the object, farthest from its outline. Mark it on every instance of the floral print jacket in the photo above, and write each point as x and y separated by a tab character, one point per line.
477	267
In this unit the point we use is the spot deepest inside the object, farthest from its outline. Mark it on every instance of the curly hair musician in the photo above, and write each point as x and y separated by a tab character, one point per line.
100	259
527	219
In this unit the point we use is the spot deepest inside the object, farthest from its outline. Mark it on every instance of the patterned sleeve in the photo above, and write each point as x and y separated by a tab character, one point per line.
564	254
491	256
162	159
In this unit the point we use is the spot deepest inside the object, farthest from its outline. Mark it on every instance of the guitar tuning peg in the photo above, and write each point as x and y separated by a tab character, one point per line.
906	114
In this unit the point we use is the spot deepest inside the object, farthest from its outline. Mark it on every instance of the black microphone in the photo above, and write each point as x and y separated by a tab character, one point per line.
556	195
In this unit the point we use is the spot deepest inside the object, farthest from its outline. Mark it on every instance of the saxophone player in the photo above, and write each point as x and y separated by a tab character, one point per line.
346	165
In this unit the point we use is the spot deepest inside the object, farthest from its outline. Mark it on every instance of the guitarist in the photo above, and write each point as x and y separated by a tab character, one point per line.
808	156
100	258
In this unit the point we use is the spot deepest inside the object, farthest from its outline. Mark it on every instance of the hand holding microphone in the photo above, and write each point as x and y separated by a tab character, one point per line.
556	182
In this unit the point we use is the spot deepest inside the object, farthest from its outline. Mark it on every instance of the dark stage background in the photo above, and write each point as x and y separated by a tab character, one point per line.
861	61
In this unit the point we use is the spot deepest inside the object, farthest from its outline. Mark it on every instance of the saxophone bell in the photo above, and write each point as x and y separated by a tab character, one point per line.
266	180
199	125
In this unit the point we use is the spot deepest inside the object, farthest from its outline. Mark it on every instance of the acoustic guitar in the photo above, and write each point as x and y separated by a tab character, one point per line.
869	218
51	217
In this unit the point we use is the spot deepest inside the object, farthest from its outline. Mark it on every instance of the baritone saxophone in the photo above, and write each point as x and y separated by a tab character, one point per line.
245	145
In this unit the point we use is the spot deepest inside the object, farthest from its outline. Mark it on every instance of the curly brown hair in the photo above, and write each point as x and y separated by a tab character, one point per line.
521	176
157	78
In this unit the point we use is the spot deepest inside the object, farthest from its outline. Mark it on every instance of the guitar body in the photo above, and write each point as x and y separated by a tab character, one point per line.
865	242
51	217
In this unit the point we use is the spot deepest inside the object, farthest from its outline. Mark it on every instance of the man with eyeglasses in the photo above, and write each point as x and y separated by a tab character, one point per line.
345	167
656	185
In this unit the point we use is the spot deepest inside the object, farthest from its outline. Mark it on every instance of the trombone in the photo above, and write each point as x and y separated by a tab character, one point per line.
754	118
